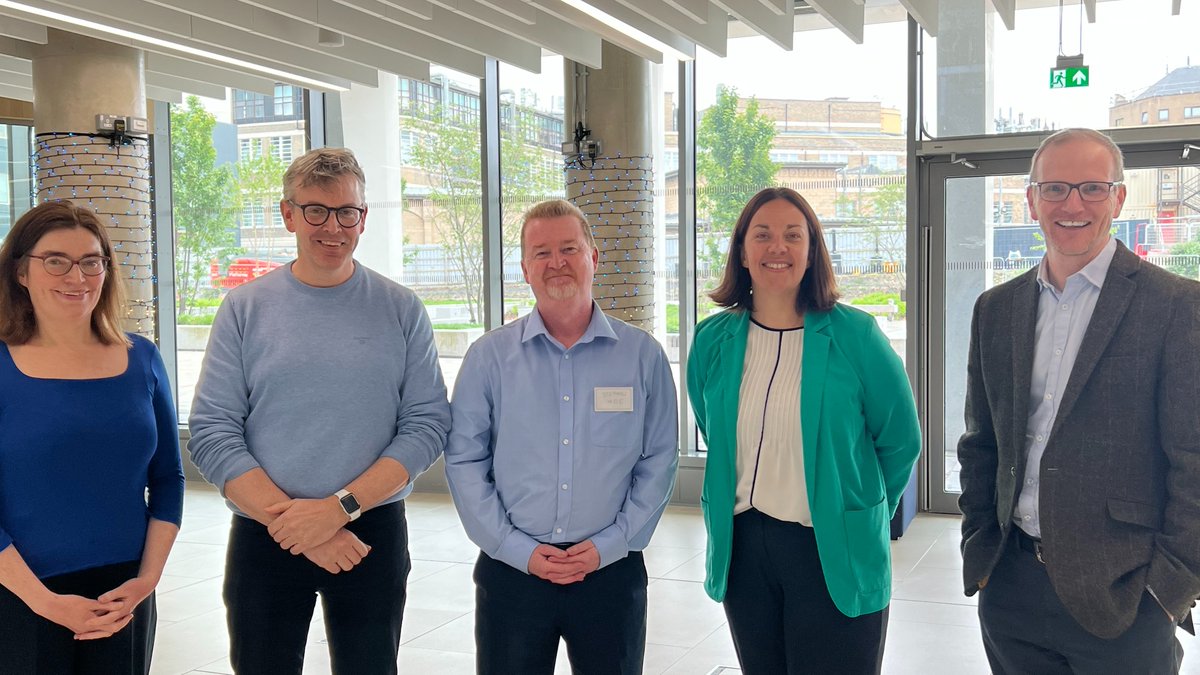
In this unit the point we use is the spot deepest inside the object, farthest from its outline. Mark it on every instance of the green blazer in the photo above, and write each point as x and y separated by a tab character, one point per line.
861	438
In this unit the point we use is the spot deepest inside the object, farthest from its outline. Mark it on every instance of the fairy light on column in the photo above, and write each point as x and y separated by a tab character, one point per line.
617	195
113	181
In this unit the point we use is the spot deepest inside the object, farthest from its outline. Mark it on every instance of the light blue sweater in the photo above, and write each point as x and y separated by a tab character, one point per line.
314	385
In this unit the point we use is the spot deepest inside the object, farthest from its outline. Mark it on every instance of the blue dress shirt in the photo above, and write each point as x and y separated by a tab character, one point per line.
1062	319
534	457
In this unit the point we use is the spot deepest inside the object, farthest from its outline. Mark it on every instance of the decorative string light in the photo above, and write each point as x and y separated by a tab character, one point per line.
617	195
113	181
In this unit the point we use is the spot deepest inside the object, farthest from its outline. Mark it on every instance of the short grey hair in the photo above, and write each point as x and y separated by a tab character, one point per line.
1080	134
323	167
556	208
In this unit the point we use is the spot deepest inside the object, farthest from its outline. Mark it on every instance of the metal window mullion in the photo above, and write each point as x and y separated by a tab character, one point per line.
490	183
686	194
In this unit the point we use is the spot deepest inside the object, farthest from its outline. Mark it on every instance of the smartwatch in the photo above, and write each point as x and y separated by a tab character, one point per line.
349	504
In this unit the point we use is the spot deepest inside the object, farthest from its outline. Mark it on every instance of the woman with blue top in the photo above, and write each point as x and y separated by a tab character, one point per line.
87	427
812	434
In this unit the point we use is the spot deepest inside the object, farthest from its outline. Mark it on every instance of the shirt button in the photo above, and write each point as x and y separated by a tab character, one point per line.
566	356
564	486
566	398
558	530
1049	396
1028	518
1039	438
567	441
1029	481
1058	352
1065	307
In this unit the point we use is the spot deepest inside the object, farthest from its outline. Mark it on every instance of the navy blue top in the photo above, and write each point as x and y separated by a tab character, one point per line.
77	458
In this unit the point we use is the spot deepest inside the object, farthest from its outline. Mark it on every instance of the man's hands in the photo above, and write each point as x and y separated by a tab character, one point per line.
340	554
564	567
302	524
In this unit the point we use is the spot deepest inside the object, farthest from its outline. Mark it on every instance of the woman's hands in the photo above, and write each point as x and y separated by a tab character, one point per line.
88	619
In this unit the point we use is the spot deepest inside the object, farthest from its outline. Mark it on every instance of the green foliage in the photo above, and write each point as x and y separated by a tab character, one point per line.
447	152
733	162
205	319
260	187
456	326
672	317
202	195
881	298
1188	267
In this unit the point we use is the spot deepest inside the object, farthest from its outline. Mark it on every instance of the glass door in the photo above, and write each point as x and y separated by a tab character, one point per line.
979	233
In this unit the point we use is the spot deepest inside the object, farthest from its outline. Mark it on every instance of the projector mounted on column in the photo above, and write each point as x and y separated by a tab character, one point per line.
121	129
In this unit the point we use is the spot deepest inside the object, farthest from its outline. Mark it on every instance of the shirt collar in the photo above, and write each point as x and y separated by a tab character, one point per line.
598	327
1093	272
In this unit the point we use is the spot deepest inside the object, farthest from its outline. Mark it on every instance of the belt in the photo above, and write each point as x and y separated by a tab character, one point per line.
1028	543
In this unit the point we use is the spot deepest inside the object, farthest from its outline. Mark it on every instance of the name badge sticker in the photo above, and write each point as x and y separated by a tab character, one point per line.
613	399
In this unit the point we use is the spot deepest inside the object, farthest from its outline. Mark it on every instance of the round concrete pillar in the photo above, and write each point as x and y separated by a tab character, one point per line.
616	190
76	78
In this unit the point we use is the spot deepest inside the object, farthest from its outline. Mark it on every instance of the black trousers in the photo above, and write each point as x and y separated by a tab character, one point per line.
31	645
519	619
779	610
270	595
1026	629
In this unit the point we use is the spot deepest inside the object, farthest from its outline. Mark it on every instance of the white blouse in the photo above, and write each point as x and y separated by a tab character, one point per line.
770	450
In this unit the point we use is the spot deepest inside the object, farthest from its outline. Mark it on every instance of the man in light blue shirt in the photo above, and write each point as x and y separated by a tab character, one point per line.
561	458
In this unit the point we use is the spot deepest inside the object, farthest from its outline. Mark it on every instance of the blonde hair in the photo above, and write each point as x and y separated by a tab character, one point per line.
556	208
1080	133
323	167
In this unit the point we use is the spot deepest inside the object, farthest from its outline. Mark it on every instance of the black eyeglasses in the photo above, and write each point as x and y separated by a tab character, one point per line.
318	214
1090	191
58	265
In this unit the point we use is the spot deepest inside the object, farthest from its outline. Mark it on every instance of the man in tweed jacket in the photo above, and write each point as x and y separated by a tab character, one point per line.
1081	456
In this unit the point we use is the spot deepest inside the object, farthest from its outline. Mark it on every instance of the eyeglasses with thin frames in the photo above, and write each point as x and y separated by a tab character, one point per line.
1089	191
318	214
58	265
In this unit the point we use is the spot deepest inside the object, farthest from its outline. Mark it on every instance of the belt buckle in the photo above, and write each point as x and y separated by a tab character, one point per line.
1037	551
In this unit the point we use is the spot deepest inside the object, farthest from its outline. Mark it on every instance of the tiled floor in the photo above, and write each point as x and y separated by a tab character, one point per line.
933	628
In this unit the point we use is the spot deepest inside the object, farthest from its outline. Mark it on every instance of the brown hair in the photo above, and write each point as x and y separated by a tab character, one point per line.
18	324
557	208
323	167
818	288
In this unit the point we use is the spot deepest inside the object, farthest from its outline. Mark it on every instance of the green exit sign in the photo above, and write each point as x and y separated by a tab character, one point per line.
1065	78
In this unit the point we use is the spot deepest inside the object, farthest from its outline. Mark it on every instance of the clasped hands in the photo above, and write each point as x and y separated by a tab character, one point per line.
100	618
315	529
567	566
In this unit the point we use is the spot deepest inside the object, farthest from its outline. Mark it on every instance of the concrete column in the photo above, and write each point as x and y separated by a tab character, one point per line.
74	79
370	128
964	101
617	190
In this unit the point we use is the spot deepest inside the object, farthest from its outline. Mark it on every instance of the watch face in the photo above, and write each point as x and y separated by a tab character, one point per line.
349	504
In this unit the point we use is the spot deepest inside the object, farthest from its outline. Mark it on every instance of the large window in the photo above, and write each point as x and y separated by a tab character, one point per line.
15	174
226	210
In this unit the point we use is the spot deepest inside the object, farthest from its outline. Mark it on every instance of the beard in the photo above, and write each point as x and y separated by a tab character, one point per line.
562	291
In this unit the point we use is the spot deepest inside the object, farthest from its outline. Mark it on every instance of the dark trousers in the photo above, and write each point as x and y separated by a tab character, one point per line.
519	619
1027	630
779	610
31	645
270	595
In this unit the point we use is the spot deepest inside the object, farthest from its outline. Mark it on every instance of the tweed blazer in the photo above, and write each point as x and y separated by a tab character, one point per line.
1120	476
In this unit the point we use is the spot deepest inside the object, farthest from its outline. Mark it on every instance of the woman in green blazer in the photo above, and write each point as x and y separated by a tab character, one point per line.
812	434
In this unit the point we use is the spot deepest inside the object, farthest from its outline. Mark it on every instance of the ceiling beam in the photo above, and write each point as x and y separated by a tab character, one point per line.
164	94
1090	7
15	64
712	34
515	9
668	37
925	12
139	16
18	93
422	9
23	30
1007	9
780	7
696	10
777	28
548	31
205	89
1175	7
202	72
605	30
848	17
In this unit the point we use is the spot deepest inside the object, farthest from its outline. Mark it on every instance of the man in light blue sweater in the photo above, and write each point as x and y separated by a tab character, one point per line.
319	401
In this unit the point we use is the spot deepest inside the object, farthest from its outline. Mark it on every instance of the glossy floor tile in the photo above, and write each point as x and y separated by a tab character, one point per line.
933	628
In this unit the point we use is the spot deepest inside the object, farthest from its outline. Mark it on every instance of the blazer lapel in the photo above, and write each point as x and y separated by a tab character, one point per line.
813	363
1114	300
1024	324
732	357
